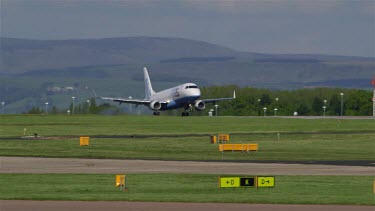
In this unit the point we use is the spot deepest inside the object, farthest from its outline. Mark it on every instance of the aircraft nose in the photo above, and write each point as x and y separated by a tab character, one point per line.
198	92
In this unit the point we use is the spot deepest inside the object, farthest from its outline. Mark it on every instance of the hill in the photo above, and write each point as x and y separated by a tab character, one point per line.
21	55
34	71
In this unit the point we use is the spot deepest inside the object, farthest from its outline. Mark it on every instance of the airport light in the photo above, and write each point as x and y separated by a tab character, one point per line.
342	102
73	104
130	105
88	105
216	109
264	111
275	109
259	106
46	111
324	107
2	107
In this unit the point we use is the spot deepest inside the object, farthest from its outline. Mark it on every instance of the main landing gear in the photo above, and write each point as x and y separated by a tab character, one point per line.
188	109
156	113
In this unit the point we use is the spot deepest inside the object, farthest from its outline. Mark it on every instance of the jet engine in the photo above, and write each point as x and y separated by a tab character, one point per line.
199	105
155	105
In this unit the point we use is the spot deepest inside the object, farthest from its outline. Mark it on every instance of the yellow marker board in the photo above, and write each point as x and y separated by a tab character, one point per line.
120	180
229	182
268	182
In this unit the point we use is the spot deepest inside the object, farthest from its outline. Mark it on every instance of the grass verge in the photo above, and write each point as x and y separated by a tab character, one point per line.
355	190
75	125
289	147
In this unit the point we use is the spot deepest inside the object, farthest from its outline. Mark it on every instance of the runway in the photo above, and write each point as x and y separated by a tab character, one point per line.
7	205
112	166
108	166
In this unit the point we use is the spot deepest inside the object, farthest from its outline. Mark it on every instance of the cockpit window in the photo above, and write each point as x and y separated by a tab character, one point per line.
191	87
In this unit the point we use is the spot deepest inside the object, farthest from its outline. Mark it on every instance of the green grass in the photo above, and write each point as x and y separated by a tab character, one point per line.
187	188
301	139
346	142
13	125
290	147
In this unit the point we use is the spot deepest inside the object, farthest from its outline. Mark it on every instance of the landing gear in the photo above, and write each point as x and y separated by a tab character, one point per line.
156	113
188	109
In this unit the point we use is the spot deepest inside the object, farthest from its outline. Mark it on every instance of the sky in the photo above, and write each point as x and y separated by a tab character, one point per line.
334	27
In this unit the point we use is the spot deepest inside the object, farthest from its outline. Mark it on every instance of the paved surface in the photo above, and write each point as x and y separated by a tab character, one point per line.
76	165
73	165
165	206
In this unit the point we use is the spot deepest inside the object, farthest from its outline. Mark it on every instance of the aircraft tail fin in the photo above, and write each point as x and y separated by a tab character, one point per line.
148	87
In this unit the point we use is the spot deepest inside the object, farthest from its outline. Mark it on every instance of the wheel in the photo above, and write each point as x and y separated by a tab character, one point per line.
185	114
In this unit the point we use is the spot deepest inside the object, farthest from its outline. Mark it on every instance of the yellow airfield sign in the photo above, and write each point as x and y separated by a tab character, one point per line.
229	182
268	182
247	182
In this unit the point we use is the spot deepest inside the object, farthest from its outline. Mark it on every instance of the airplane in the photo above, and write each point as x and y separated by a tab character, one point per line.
182	96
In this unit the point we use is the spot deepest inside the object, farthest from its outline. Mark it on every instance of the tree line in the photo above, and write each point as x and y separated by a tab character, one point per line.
309	101
254	102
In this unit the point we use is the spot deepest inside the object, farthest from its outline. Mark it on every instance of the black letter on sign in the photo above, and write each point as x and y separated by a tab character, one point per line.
247	181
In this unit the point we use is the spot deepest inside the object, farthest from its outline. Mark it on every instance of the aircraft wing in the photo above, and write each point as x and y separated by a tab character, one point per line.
219	99
127	100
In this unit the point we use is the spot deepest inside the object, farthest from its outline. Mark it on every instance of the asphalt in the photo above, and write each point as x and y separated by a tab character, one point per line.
75	165
78	165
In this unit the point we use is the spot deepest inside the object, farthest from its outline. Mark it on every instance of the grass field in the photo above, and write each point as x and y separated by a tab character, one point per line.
321	139
290	147
300	140
187	188
49	125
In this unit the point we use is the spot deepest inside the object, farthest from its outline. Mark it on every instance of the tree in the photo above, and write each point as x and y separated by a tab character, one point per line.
35	110
303	109
317	105
54	110
265	100
335	104
359	103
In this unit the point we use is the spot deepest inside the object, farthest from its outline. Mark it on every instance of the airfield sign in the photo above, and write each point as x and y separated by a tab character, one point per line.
229	182
247	182
267	182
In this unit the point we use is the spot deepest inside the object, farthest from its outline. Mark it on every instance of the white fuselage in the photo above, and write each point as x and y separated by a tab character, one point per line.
177	97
